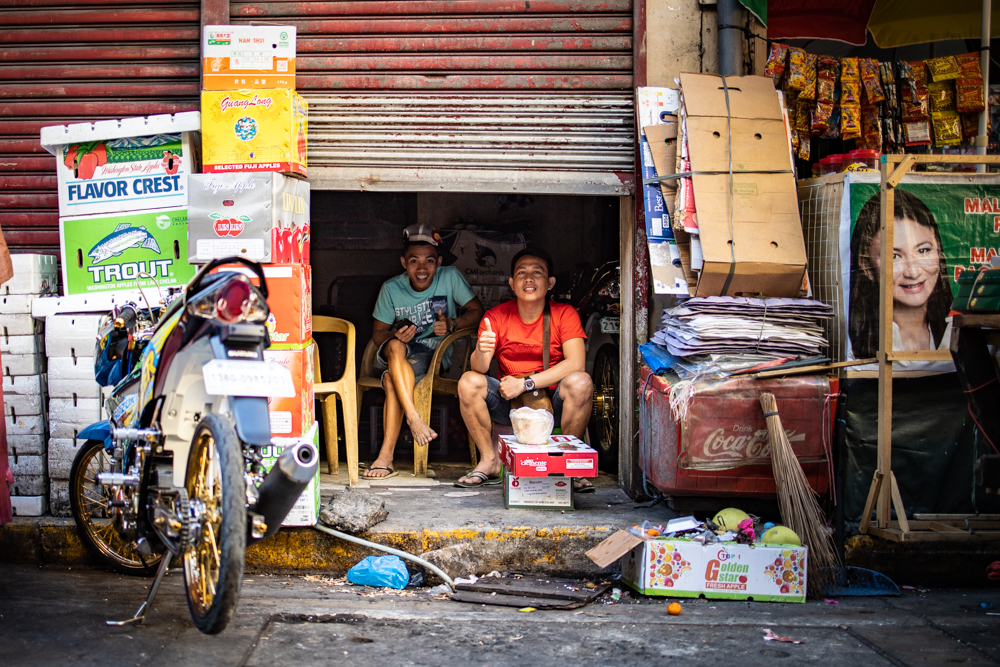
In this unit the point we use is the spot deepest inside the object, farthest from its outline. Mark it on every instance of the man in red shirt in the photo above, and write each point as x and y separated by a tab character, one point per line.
512	332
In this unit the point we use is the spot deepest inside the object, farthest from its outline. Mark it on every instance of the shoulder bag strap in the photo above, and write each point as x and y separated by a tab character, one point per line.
546	336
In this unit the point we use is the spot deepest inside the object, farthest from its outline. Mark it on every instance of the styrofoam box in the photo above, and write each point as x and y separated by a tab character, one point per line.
29	505
16	303
26	444
74	388
71	335
22	364
31	485
33	274
79	411
62	451
24	384
19	324
59	497
22	344
71	368
31	425
28	465
15	405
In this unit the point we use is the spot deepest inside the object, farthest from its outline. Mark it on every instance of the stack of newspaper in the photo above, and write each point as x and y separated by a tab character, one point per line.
738	325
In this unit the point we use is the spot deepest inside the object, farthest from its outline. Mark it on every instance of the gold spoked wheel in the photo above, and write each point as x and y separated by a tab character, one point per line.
604	414
216	524
99	520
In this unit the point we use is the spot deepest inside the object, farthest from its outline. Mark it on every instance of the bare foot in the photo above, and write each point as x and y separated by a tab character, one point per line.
378	469
422	433
489	468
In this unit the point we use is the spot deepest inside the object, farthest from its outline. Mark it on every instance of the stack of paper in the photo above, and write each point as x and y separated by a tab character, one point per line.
737	325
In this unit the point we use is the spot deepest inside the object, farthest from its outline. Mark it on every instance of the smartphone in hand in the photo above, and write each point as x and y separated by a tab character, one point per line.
399	324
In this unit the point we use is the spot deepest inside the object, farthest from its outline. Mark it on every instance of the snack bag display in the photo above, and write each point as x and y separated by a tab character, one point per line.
871	128
919	109
827	73
941	96
970	65
808	91
947	128
871	80
775	67
850	122
797	79
821	115
969	95
917	133
850	93
944	69
849	70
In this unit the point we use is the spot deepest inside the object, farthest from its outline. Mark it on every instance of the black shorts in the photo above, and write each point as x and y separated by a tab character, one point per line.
500	407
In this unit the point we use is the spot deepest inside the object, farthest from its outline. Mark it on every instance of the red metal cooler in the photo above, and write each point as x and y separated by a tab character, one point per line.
720	448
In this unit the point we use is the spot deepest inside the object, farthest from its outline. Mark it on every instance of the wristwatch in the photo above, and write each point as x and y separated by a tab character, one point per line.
529	384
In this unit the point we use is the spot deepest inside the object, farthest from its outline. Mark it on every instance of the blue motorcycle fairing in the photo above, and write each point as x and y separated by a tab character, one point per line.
98	431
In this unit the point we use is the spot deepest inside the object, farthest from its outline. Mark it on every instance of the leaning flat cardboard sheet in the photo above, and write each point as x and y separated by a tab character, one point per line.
761	230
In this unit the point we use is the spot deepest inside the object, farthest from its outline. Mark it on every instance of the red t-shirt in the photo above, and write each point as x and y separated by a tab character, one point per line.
519	345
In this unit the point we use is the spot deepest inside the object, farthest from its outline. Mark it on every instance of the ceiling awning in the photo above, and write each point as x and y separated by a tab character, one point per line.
892	22
758	8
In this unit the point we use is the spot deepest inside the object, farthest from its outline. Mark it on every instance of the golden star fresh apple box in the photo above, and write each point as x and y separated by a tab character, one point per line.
254	130
238	57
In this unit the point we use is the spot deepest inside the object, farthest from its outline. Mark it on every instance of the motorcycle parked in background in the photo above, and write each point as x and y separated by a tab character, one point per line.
176	472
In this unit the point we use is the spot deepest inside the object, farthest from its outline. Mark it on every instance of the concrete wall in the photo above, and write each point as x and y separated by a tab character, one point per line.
680	37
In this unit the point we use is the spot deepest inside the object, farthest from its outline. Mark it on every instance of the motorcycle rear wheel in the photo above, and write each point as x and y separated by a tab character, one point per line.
604	418
216	549
98	522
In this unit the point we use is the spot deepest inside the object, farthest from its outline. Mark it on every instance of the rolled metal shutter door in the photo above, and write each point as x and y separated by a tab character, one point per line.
464	95
89	60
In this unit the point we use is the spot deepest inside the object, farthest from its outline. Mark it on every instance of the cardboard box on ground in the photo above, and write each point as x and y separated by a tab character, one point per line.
750	230
261	216
540	476
680	567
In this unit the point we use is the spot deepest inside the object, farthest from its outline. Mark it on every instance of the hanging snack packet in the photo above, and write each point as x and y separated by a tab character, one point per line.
808	91
919	110
969	95
850	93
805	145
947	128
941	95
826	79
971	67
821	115
833	131
917	133
919	69
888	84
803	117
944	69
849	70
871	80
775	67
970	126
850	122
796	69
871	128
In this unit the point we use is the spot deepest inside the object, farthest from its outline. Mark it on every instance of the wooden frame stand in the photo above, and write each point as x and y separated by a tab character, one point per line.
884	493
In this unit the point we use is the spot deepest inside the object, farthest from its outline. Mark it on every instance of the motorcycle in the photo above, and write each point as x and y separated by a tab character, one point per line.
177	471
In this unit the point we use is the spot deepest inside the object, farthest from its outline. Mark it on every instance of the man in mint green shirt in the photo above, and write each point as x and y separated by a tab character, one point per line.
413	313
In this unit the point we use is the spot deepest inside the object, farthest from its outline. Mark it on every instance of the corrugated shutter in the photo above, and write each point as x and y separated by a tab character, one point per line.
495	89
98	59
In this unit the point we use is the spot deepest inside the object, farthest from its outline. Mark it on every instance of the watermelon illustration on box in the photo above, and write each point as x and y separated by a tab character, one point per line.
124	251
131	164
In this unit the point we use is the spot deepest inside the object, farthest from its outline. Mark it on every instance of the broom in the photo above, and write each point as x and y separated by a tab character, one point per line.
799	509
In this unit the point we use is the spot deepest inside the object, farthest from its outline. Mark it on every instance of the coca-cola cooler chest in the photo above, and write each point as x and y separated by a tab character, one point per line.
720	445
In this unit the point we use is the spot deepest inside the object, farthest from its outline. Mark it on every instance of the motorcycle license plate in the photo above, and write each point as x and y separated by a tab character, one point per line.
610	325
229	377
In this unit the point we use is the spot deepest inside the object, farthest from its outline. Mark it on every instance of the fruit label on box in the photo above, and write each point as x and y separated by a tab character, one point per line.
247	130
130	174
538	492
305	511
291	417
239	57
260	216
124	251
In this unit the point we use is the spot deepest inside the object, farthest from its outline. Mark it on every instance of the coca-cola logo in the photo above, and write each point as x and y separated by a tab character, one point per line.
743	443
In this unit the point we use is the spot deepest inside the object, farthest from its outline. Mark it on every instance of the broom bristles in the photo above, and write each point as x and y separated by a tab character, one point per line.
800	510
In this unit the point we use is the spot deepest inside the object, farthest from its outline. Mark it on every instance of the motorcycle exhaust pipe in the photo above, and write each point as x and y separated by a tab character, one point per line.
282	487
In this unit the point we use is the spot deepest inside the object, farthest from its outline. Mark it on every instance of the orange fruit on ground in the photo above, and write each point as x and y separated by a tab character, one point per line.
674	609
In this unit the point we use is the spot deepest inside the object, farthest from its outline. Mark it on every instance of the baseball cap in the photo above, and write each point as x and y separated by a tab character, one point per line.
421	233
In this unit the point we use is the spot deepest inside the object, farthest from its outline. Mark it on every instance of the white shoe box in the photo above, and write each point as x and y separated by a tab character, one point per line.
26	444
34	344
59	498
71	335
29	505
19	324
22	364
33	274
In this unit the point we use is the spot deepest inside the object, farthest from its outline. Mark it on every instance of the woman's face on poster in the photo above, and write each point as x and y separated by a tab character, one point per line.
916	262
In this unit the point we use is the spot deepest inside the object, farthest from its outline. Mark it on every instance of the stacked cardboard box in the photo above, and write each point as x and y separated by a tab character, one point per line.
735	214
540	476
22	360
252	201
74	396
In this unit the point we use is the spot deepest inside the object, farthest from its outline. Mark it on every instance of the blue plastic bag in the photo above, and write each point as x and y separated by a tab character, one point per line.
380	572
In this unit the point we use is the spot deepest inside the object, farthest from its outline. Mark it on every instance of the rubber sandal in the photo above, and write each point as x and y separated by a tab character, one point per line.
485	480
392	473
588	488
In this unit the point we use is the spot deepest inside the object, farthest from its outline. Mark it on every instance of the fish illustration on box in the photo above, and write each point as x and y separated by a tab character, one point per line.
124	237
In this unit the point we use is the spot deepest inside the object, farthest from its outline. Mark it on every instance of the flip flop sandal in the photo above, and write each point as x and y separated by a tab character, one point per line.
589	488
485	480
392	473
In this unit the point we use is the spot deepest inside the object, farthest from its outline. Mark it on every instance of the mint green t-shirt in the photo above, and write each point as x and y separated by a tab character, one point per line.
398	301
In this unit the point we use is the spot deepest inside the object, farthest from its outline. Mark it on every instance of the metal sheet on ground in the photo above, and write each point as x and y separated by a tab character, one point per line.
540	593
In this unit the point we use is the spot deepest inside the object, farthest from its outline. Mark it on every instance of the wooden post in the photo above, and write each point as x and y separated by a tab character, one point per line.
886	269
628	380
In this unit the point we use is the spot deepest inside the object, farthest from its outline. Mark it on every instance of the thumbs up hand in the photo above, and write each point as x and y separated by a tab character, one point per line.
487	342
442	325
